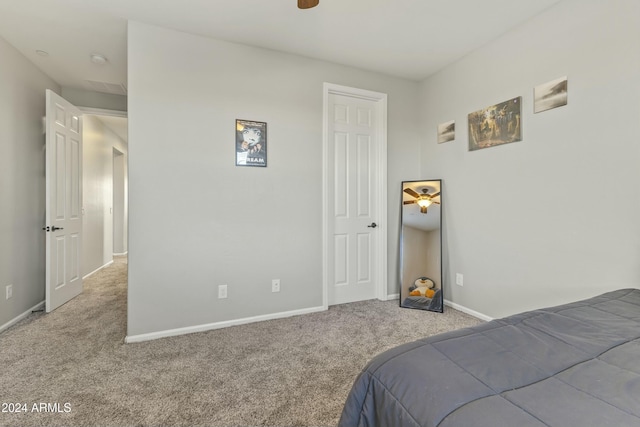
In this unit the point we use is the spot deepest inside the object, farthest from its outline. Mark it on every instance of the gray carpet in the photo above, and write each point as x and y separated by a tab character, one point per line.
288	372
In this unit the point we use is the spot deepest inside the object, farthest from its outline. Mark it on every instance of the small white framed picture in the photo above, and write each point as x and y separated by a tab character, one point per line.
446	131
550	95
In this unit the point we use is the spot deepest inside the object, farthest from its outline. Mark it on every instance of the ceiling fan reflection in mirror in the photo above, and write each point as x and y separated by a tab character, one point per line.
423	200
307	4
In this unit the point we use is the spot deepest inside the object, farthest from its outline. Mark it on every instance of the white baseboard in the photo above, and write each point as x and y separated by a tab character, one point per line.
121	254
467	310
218	325
98	269
454	306
12	322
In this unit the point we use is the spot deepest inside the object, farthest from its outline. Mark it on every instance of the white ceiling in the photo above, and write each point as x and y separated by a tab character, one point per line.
406	38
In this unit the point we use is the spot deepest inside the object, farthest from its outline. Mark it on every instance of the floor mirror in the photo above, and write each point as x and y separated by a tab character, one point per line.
421	245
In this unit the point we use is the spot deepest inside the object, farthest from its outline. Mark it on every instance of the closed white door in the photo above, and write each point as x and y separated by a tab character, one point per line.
352	205
63	201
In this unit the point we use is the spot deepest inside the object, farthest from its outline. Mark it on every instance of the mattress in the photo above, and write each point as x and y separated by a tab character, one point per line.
572	365
424	303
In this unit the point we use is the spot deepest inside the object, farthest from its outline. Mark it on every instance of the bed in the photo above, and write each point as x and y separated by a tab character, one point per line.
424	303
573	365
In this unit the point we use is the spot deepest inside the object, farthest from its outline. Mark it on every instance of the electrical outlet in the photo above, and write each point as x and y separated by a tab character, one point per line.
459	279
9	291
222	291
275	285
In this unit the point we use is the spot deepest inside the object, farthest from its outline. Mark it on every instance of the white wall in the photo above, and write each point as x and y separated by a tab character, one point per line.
421	257
87	98
97	192
22	182
120	202
555	217
196	220
433	255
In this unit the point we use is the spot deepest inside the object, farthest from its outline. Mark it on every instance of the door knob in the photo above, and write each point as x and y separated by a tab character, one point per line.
54	228
372	225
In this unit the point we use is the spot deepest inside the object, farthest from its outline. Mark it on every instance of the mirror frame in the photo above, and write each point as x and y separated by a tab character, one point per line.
437	183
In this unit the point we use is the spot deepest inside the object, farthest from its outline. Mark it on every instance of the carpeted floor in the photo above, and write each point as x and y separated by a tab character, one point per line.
288	372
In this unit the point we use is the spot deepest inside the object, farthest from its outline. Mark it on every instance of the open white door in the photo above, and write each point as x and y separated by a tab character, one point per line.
64	201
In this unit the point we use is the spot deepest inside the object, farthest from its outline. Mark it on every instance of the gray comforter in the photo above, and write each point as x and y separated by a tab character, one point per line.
575	365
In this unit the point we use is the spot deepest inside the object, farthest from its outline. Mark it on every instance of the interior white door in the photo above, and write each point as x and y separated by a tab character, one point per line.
352	204
63	201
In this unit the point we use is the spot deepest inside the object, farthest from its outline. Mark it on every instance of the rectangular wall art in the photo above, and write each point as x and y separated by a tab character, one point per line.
251	143
496	125
446	131
550	95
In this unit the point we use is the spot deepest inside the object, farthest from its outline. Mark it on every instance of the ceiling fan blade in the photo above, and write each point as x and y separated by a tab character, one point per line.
409	202
307	4
411	193
431	196
437	203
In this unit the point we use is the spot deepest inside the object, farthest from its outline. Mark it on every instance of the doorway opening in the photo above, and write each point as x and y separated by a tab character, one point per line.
105	182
